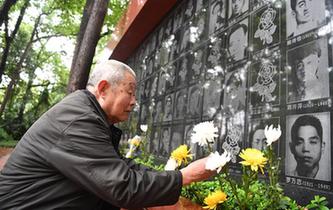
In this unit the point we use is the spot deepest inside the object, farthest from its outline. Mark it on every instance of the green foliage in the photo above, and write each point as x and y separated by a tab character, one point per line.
33	92
150	162
4	136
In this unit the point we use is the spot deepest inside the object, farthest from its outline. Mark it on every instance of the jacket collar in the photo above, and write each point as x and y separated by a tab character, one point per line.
115	133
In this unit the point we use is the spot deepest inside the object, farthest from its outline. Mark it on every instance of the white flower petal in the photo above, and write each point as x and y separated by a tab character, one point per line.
272	134
144	128
204	133
171	165
216	161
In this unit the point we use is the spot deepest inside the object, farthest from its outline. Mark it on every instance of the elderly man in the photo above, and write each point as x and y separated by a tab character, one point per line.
69	158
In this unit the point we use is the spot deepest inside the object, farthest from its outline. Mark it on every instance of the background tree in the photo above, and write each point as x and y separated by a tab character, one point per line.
36	40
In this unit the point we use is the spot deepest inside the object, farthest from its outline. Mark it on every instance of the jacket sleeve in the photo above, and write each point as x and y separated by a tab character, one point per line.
86	155
136	166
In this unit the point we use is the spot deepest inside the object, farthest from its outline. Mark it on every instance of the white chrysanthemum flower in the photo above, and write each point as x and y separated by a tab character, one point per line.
204	133
144	128
272	134
171	165
216	161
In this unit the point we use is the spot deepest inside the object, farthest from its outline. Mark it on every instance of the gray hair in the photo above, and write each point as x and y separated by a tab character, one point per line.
112	71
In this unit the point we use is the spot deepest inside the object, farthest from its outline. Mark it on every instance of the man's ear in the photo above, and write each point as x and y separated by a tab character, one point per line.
102	87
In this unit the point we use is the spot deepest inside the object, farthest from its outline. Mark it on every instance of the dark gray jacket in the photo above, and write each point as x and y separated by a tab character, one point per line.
69	159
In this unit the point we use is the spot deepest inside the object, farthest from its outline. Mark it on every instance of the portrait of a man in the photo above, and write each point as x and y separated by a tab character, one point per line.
157	113
180	104
164	142
309	146
168	106
213	65
154	139
194	101
217	15
234	92
182	71
212	95
237	8
308	77
237	41
197	63
304	15
177	136
162	83
185	39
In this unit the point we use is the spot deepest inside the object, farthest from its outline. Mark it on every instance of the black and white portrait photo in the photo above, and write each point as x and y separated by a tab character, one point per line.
177	136
308	148
189	9
217	15
144	113
257	138
214	65
308	77
266	27
183	66
168	108
164	141
199	28
154	140
153	87
237	8
185	39
237	41
162	81
264	82
304	15
180	104
157	111
170	75
194	101
234	91
196	58
212	97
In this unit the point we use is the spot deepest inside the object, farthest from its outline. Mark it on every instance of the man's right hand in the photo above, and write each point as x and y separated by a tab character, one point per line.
196	171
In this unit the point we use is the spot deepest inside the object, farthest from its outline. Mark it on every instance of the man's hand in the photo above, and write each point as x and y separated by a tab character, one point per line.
196	171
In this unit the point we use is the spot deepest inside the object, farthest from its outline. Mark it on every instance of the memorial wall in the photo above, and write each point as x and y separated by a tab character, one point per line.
243	64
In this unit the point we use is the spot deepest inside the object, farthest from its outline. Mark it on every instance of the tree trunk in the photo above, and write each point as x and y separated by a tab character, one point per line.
10	38
5	9
16	72
88	37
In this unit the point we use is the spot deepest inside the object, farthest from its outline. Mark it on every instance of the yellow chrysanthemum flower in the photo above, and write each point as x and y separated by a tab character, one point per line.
182	153
254	158
215	198
136	141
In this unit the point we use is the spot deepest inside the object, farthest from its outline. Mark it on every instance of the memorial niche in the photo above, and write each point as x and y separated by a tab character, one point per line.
257	63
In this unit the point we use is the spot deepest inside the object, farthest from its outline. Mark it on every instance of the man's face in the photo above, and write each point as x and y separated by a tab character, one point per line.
303	11
194	100
119	100
307	147
237	44
237	6
311	63
259	140
166	135
168	106
180	102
